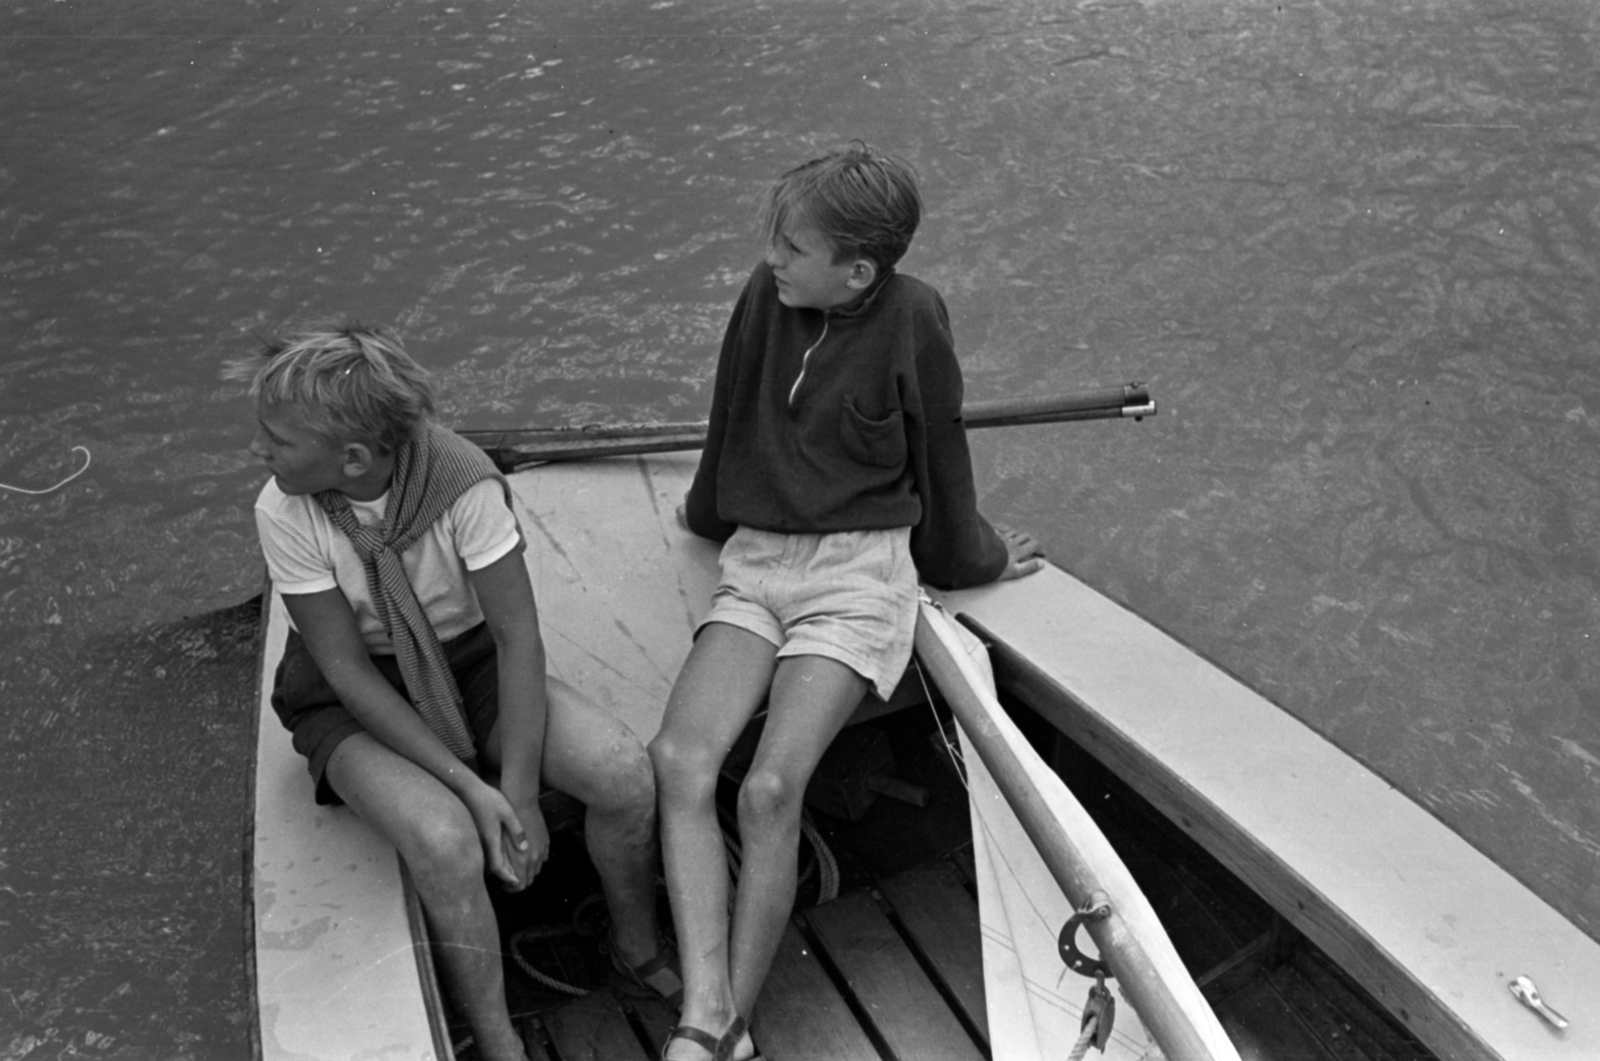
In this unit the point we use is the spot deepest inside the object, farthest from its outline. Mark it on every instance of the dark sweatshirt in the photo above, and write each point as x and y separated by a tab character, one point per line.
862	433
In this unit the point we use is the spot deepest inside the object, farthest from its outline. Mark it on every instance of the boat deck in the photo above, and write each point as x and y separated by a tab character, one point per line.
891	968
886	972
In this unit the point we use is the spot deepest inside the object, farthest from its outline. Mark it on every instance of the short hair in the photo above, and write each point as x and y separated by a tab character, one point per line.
349	380
863	202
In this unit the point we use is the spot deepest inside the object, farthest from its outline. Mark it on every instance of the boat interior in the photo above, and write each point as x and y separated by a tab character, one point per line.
882	958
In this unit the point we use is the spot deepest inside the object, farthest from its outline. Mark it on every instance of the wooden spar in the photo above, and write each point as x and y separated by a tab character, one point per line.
513	448
1130	939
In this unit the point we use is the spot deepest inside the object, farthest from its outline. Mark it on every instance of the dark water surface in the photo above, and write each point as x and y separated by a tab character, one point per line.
1351	244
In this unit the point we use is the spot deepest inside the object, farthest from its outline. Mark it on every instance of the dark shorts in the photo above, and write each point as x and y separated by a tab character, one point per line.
317	720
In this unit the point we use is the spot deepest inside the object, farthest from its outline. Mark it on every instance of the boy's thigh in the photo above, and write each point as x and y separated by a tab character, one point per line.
319	723
813	696
588	752
402	801
856	604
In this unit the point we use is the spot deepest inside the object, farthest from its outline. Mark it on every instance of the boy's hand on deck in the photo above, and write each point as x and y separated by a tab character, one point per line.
1024	554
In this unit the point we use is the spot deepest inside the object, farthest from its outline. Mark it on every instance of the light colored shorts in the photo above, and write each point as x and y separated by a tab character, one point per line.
850	596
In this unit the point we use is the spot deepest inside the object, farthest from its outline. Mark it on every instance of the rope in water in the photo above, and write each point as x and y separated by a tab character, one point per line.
51	489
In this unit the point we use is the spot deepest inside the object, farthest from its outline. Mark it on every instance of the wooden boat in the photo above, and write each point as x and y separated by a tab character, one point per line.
1435	932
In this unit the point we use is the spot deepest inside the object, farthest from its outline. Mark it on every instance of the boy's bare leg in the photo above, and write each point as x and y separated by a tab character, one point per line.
439	842
812	698
595	758
717	691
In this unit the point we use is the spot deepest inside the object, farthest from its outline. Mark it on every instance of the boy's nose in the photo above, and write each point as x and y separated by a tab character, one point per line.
258	446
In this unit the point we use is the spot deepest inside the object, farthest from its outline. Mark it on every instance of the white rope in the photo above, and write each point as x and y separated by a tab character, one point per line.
538	932
538	977
1081	1047
826	863
828	888
52	489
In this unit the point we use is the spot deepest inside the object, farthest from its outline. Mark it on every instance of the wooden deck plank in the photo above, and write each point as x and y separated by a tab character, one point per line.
594	1028
905	1008
620	585
942	917
1265	1028
1430	926
801	1016
531	1029
657	1017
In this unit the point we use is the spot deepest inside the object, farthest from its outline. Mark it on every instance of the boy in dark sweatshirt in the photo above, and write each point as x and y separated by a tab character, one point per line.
837	473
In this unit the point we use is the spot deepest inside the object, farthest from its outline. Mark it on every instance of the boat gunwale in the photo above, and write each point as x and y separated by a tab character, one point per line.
1115	722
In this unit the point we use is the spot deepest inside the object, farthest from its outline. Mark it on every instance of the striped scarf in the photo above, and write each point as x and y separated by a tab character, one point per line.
431	471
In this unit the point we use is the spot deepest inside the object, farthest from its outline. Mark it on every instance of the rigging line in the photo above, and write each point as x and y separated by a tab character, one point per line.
87	459
1049	994
995	848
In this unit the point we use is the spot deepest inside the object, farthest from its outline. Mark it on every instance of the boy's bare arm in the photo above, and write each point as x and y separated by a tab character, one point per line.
329	629
506	597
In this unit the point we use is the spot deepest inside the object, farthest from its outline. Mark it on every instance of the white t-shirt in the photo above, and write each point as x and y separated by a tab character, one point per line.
306	553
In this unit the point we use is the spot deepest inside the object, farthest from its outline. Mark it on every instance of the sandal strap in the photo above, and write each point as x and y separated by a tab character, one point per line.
703	1039
730	1040
638	976
662	960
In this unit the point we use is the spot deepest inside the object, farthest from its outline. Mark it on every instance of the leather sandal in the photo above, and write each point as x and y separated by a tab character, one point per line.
719	1049
703	1039
730	1040
659	977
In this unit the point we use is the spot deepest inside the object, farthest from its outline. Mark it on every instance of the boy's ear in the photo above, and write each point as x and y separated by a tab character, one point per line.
862	273
358	459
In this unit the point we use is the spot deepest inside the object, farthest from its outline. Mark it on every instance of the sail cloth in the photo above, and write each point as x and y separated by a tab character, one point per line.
1034	1002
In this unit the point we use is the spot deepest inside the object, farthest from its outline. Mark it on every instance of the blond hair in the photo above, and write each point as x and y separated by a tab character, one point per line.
349	381
863	202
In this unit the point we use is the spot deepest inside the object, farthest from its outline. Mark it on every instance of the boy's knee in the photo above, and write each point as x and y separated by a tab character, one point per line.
667	758
680	768
767	797
631	779
445	844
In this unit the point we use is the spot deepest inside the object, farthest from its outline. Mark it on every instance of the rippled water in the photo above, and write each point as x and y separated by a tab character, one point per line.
1352	246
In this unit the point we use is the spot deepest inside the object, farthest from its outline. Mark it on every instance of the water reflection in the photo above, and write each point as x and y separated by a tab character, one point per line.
1352	247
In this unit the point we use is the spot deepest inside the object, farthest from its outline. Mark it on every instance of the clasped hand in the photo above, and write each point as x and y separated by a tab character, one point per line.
515	839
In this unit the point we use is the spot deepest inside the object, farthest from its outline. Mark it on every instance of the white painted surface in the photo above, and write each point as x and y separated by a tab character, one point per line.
1423	899
336	971
620	585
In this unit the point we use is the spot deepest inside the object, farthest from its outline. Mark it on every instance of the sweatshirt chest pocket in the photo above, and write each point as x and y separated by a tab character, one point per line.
879	442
